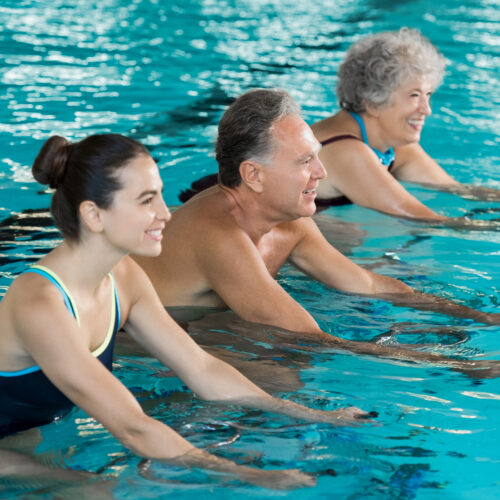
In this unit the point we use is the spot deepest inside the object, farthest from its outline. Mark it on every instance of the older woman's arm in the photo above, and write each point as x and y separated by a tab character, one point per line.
355	171
413	164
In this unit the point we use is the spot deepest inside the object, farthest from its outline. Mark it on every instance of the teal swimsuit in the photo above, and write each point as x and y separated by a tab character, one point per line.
27	397
386	159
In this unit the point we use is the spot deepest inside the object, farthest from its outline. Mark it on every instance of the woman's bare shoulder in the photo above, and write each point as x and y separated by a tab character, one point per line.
341	123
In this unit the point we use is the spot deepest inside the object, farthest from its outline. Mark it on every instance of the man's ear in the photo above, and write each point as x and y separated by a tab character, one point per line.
91	216
252	175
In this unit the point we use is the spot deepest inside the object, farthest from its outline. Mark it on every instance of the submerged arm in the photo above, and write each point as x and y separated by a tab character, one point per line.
471	368
315	256
472	192
210	378
314	340
428	302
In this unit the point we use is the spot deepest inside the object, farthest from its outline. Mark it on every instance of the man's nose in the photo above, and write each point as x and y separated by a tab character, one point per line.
319	170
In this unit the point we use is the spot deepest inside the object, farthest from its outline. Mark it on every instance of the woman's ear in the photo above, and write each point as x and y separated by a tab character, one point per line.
91	216
371	109
252	175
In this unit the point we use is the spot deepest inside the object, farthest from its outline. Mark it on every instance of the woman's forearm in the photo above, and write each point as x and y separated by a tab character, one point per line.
284	479
222	382
162	443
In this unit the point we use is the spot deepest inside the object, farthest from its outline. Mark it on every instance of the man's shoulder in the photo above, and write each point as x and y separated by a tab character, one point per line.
205	216
297	225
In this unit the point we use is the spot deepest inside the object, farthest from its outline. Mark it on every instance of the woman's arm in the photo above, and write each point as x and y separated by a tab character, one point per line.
413	164
355	171
51	337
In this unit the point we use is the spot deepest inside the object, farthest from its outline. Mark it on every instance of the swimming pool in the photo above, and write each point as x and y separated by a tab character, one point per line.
163	73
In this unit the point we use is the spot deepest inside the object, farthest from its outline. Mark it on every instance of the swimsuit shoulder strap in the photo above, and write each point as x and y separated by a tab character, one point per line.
385	158
58	283
115	319
336	138
361	123
116	302
68	301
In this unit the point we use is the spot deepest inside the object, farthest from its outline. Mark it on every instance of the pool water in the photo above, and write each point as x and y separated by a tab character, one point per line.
163	72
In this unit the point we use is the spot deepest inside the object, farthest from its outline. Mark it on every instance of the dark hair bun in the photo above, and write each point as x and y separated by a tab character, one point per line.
49	166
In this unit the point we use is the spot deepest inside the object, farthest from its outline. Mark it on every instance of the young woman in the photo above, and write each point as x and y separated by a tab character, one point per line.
384	87
60	317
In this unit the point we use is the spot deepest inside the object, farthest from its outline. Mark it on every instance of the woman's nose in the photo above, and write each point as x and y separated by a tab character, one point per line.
163	213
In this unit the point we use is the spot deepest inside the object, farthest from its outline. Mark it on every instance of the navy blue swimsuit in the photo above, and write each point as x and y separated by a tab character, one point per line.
27	397
386	159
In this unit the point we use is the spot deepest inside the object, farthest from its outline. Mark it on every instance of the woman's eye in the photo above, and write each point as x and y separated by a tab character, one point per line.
147	201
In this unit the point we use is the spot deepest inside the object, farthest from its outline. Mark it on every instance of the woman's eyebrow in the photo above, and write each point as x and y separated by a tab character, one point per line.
147	192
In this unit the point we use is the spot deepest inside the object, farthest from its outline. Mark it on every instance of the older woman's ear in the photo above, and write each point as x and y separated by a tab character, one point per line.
371	109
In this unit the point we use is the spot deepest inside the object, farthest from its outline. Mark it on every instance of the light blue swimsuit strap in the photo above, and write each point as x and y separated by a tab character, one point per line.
385	158
56	281
70	304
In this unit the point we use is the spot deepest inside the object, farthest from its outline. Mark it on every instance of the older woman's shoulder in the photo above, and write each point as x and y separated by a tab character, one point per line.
339	124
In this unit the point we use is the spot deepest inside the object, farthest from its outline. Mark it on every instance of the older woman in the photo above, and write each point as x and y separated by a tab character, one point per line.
384	88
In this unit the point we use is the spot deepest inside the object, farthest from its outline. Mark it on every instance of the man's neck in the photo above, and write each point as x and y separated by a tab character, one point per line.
249	213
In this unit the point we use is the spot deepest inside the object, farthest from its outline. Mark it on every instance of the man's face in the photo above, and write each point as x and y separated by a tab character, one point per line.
294	170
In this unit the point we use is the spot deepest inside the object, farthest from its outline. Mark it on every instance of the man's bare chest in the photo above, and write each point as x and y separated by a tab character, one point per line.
275	249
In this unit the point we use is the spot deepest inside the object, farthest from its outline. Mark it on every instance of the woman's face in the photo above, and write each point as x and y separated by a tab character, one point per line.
403	117
136	218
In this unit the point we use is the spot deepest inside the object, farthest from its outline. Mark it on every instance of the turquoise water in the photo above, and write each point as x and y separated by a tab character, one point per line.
163	72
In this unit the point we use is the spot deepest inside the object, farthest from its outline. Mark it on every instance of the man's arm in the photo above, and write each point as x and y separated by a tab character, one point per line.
208	377
284	339
316	257
428	302
236	271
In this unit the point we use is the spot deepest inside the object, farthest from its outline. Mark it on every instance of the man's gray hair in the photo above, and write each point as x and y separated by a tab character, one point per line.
245	130
375	66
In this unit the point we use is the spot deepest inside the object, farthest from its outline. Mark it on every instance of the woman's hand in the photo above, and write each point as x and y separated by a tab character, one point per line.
285	479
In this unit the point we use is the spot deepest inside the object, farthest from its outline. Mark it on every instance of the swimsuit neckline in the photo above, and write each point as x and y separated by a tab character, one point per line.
72	307
100	349
385	158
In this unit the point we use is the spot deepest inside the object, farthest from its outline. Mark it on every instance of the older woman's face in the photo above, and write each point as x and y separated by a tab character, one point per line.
403	117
